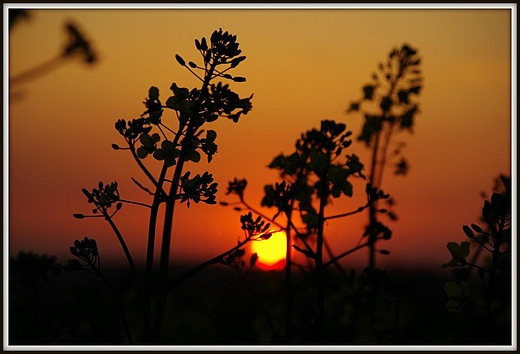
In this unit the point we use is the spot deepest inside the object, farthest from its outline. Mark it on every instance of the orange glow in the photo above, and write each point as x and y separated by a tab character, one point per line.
61	125
271	252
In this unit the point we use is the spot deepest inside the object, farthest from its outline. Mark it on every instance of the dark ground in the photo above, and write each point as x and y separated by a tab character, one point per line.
216	307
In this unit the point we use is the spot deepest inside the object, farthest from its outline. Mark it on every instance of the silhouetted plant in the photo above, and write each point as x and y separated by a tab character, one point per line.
315	174
391	108
493	293
151	138
86	250
77	46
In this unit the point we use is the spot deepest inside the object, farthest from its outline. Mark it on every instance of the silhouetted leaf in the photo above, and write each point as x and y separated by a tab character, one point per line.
305	252
455	305
452	289
416	89
180	60
476	228
266	236
464	249
407	118
392	215
468	231
402	167
354	106
386	103
368	92
237	61
142	152
193	155
78	216
204	44
153	93
403	96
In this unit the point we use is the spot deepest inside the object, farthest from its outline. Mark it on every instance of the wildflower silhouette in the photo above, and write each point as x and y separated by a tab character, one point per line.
172	142
315	174
388	106
77	46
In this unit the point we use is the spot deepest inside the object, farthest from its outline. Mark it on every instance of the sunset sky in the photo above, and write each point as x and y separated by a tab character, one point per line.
302	66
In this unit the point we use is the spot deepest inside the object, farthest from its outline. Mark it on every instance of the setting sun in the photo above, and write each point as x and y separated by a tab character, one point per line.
271	252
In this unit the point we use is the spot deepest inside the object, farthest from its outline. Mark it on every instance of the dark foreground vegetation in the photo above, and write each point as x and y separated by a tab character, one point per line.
217	308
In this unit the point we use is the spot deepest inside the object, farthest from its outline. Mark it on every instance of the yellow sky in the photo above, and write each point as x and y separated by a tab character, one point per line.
302	66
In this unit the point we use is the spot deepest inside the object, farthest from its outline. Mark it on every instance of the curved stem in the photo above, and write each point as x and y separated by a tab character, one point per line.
150	249
203	265
39	70
358	210
170	208
121	241
135	203
144	169
376	172
289	291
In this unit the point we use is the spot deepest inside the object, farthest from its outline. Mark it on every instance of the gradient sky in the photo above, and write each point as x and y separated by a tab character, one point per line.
302	66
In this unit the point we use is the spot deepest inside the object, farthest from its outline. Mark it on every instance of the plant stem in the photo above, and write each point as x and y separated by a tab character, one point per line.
152	226
207	263
376	172
192	126
39	70
320	286
165	248
121	241
288	277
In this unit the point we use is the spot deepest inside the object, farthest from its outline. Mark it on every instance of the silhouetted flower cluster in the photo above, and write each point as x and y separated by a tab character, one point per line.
133	129
78	44
103	196
87	251
254	227
199	188
237	186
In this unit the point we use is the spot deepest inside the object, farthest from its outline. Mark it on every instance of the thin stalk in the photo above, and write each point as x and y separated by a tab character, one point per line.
165	248
152	226
143	168
384	152
376	168
170	208
207	263
372	209
318	261
39	70
288	277
121	241
358	210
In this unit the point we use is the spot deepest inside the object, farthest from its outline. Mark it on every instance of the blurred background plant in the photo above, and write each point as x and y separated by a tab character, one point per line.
389	106
76	47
